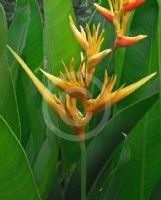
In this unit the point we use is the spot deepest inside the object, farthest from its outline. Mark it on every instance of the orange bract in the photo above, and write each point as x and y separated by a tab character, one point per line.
131	5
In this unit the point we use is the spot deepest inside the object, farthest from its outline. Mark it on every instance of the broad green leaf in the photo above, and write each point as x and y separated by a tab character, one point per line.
110	177
8	105
57	190
17	32
27	19
143	171
33	52
16	179
60	44
33	55
32	119
17	40
45	165
103	145
112	182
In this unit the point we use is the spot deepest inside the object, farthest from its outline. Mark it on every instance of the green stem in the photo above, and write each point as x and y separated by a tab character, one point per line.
114	48
83	170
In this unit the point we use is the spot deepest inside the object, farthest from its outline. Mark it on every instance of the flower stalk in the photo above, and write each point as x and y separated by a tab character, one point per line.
83	170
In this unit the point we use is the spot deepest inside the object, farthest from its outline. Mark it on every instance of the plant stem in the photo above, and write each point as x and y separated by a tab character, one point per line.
114	48
83	170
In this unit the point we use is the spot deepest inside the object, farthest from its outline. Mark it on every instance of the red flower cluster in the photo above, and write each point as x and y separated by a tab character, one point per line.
118	15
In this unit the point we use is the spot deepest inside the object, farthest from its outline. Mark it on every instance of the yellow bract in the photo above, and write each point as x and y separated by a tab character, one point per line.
91	44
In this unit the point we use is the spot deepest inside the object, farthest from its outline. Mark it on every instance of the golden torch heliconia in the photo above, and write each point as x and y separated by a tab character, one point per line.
76	84
118	14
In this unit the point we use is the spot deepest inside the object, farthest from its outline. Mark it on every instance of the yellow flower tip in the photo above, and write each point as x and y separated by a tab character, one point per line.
56	81
42	70
124	41
71	20
105	12
49	76
78	35
110	98
126	91
147	78
97	58
143	36
46	94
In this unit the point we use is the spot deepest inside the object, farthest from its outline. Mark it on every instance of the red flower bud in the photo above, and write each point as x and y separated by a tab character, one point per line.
133	4
123	41
105	12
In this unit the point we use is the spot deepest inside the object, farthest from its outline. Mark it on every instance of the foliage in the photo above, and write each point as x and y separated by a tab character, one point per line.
123	160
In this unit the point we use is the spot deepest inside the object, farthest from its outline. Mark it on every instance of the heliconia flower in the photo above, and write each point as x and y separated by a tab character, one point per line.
124	41
67	110
132	4
118	15
108	97
109	15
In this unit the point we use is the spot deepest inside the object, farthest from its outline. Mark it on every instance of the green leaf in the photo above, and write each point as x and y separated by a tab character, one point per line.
33	55
29	42
57	190
8	105
103	145
33	52
16	179
60	44
17	39
143	171
112	182
110	177
45	165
